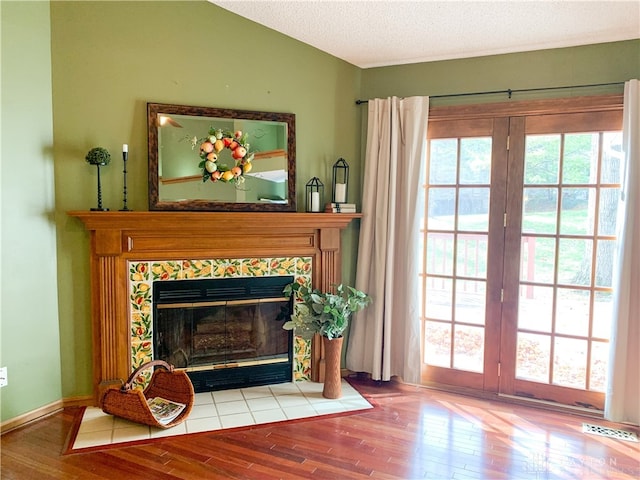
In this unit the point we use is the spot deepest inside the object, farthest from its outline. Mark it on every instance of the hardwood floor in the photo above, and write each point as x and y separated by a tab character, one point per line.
413	433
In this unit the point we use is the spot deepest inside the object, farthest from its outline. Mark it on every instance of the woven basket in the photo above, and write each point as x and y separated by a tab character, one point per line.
131	403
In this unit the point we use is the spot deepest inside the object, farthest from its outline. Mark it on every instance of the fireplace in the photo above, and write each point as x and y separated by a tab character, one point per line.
227	332
131	250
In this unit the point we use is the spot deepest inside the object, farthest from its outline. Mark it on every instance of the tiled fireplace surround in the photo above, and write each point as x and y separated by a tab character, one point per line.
131	250
144	275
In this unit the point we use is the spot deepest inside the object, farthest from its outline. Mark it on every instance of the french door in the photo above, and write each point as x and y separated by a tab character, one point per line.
518	242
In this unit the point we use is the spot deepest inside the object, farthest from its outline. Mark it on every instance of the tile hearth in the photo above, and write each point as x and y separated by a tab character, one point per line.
224	409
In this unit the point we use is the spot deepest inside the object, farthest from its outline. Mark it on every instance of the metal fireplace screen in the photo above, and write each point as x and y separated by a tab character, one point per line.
226	333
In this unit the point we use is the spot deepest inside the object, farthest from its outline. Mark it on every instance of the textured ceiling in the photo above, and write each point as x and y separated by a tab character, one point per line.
380	33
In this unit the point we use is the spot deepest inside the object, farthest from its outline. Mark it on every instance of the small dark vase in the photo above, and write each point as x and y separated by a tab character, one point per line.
332	378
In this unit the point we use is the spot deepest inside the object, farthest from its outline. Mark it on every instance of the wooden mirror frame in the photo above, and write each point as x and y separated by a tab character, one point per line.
155	203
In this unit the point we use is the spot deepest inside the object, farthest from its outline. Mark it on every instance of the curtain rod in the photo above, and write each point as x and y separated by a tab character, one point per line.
510	91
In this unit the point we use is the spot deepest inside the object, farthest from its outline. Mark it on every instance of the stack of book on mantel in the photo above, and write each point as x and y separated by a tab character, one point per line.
340	208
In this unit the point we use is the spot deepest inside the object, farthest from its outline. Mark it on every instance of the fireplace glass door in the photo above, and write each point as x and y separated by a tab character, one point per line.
226	333
222	334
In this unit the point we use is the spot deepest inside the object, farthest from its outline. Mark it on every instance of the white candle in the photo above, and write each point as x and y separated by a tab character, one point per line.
341	192
315	201
125	148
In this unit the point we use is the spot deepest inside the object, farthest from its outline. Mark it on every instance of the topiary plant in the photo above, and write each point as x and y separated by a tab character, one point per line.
98	156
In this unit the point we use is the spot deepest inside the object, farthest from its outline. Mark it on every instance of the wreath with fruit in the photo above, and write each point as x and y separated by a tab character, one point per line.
213	145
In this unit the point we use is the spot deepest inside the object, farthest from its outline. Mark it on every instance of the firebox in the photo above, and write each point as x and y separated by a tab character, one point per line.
226	333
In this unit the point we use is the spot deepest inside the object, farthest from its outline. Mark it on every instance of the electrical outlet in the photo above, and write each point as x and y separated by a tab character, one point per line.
3	377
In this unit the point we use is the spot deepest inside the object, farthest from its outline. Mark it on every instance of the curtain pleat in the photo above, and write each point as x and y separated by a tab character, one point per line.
622	403
385	338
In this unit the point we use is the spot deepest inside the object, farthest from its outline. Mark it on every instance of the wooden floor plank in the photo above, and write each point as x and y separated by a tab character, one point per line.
413	433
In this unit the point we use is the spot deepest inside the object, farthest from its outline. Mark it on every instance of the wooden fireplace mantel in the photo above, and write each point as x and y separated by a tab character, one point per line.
119	237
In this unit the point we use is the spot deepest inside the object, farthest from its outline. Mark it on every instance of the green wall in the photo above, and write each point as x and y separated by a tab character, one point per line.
111	58
30	347
107	60
591	64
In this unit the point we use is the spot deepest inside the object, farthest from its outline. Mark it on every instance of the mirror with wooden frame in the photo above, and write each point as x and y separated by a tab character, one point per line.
182	174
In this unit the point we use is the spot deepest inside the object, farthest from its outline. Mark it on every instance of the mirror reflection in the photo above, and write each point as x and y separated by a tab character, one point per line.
179	179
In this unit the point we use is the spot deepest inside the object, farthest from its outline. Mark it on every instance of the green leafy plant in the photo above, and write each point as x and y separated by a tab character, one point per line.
98	156
326	313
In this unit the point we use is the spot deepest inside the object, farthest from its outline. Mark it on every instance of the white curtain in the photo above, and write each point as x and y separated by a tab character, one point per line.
385	337
623	390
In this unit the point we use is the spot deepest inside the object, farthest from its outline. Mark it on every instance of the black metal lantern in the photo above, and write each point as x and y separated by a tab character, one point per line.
340	181
315	195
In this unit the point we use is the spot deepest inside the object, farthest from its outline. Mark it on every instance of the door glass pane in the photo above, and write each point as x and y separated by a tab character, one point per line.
580	158
468	351
575	217
602	314
569	362
612	157
604	262
542	159
470	301
473	212
572	269
539	210
532	357
440	253
572	311
607	220
437	344
475	160
443	156
471	257
535	308
439	297
441	209
537	259
599	360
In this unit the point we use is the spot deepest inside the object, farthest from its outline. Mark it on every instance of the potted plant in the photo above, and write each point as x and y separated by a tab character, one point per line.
327	314
98	156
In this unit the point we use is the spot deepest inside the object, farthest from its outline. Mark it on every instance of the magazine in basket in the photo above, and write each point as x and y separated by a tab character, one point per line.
165	410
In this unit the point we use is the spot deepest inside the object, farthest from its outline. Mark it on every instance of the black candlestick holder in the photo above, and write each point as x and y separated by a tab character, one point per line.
125	156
